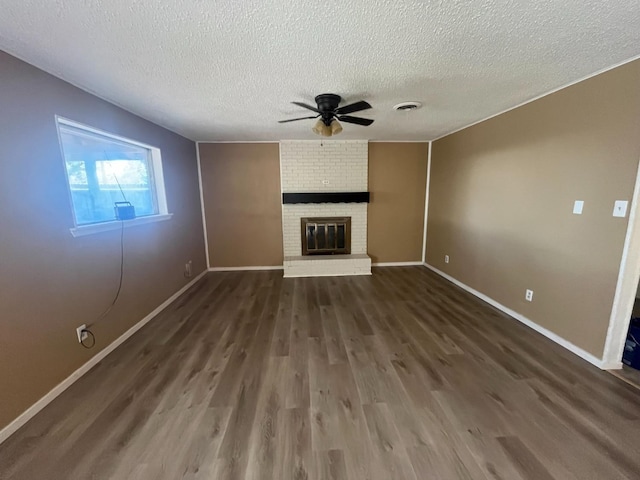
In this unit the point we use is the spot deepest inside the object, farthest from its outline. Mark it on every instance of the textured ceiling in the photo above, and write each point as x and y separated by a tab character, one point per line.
227	70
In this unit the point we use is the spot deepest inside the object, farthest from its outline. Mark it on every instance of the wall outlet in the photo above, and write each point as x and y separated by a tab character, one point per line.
620	208
446	259
188	269
81	334
578	205
528	296
325	182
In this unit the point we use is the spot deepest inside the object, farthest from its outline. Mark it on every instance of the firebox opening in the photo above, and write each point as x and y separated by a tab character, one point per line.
326	236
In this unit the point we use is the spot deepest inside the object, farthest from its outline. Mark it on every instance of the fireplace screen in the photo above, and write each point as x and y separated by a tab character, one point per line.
326	236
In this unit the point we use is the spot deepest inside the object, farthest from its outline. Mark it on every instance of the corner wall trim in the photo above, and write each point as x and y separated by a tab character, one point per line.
531	324
34	409
396	264
204	216
241	269
627	283
426	205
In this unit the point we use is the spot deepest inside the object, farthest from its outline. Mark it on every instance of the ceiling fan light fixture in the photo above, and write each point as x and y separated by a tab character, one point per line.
336	128
320	128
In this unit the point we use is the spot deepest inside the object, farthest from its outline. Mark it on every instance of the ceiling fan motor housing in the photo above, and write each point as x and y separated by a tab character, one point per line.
327	103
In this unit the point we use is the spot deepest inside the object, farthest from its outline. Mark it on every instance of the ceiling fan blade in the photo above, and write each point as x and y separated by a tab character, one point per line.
354	107
296	119
357	120
309	107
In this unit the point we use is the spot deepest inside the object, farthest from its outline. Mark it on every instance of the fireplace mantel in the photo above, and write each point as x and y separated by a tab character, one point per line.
325	197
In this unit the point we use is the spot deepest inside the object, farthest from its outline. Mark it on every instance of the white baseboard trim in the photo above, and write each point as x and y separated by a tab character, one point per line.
279	267
396	264
31	412
611	365
531	324
327	275
241	269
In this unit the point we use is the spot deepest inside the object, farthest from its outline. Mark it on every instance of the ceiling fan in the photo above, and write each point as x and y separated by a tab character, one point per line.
329	112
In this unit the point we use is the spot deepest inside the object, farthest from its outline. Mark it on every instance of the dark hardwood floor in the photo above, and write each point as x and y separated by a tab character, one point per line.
629	375
400	375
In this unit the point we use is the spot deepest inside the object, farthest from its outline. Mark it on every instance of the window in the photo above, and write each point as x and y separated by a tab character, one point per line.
103	169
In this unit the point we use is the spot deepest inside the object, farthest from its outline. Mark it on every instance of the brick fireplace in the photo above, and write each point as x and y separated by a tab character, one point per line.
324	167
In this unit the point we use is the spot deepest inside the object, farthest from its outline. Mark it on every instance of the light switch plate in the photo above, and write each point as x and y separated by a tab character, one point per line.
577	207
620	208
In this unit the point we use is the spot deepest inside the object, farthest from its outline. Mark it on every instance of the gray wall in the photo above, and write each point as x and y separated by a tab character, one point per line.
51	282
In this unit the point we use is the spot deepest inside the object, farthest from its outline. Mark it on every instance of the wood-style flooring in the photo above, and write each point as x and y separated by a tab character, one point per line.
400	375
629	375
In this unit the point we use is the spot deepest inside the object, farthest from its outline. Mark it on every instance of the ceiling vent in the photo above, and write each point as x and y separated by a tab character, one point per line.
405	106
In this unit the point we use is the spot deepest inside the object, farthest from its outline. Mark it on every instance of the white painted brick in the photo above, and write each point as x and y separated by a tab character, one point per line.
336	265
303	166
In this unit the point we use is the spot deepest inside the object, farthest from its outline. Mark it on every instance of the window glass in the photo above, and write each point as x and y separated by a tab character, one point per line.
102	171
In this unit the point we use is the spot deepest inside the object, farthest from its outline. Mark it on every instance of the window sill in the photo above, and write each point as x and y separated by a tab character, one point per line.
83	230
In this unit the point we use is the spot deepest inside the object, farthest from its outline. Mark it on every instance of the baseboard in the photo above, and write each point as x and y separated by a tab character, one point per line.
396	264
611	365
241	269
279	267
31	412
327	275
531	324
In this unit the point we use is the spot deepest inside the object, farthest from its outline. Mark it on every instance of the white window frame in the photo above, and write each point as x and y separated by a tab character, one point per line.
158	183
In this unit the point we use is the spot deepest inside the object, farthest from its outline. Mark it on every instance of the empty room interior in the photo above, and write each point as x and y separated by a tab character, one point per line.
366	240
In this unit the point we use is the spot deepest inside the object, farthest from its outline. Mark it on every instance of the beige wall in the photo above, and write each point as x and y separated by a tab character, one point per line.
51	282
501	199
241	189
397	180
242	200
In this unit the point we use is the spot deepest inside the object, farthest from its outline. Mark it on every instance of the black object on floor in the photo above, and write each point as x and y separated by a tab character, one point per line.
631	355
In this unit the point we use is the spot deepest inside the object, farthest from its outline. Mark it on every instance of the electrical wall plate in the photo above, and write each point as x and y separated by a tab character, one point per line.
620	208
578	206
82	335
